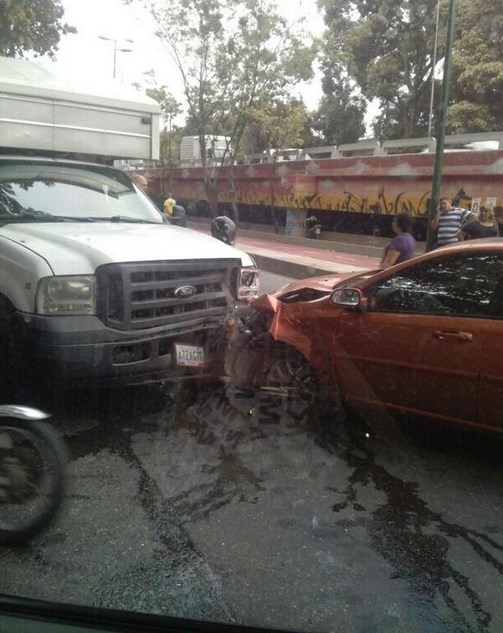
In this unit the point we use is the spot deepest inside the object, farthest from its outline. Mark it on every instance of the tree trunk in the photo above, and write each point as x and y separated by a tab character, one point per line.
273	207
212	196
234	202
210	173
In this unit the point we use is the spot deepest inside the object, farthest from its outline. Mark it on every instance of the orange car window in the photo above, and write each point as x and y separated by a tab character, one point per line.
461	285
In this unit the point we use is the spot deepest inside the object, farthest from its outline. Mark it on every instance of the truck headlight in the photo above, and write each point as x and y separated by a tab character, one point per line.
65	296
248	283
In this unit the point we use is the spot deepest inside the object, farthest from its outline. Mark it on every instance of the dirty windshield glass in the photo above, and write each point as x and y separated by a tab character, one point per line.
52	191
251	316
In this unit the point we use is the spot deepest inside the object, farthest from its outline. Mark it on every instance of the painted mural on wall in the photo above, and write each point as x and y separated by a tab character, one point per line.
370	185
385	200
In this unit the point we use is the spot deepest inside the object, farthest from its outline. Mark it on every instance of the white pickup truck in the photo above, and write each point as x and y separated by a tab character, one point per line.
95	286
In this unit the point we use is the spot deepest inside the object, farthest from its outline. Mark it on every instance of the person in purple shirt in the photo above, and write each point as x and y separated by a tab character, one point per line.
403	245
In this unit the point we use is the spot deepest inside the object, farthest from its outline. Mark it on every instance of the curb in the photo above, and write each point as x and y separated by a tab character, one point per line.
287	269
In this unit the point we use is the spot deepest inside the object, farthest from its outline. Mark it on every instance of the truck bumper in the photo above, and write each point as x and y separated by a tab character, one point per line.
81	351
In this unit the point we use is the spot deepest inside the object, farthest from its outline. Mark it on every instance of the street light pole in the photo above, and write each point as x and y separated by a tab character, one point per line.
441	120
123	50
433	66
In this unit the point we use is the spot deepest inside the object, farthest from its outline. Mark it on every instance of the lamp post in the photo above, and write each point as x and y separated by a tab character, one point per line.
434	64
116	48
440	135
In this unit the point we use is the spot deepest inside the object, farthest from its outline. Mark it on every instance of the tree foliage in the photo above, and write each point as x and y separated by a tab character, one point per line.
276	124
385	48
340	115
170	108
31	26
232	55
477	68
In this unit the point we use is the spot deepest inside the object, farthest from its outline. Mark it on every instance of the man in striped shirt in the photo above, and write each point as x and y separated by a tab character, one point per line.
449	220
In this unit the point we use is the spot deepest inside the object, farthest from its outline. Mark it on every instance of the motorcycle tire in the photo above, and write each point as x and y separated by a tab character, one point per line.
33	476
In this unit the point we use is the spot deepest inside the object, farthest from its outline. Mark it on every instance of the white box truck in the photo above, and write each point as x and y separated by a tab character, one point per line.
95	287
217	149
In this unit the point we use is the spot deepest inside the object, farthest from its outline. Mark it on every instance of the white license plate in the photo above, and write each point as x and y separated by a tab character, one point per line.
189	355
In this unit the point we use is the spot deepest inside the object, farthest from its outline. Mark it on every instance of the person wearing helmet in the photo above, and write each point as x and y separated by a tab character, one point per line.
224	229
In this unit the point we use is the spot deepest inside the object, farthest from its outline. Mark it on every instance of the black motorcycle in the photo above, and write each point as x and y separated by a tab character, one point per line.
33	472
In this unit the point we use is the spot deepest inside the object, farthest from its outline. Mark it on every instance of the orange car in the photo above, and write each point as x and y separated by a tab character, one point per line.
423	337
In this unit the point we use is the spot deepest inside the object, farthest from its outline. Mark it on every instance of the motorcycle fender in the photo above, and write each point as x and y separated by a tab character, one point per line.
22	413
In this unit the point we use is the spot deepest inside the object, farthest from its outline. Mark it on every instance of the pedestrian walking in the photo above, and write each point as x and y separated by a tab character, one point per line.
402	246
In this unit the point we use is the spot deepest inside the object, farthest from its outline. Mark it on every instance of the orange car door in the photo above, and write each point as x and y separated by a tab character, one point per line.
410	362
491	368
421	343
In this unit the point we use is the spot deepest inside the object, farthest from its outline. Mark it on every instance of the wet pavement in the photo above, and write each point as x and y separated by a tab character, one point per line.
222	505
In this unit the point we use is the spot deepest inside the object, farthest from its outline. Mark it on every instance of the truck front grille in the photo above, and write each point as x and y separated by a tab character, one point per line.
181	294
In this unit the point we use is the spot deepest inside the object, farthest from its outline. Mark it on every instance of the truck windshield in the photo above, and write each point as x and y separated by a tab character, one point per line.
41	191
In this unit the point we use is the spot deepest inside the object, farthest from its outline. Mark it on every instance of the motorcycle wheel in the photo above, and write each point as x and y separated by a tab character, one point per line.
33	466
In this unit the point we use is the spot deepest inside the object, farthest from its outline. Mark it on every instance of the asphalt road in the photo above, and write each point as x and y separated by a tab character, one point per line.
215	504
247	510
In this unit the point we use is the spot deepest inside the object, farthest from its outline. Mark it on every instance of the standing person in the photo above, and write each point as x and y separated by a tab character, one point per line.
313	227
169	204
402	246
484	226
140	181
449	220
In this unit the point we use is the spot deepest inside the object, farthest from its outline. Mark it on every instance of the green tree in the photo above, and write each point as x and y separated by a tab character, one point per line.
340	114
170	108
232	55
31	26
384	48
277	124
476	88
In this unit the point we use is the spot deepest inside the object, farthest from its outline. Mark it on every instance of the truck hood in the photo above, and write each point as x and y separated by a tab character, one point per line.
78	248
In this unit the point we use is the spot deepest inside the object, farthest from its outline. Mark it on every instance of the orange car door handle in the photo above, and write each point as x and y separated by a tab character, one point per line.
458	335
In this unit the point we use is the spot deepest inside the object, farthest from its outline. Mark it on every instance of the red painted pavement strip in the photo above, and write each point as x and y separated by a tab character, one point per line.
318	254
321	255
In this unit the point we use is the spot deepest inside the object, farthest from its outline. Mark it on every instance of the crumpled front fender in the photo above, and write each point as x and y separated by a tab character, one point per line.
258	331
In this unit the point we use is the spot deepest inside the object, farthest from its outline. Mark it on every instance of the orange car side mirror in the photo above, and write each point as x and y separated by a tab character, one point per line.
349	298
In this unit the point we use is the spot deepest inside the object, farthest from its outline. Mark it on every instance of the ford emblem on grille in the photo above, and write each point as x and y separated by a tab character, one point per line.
183	292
